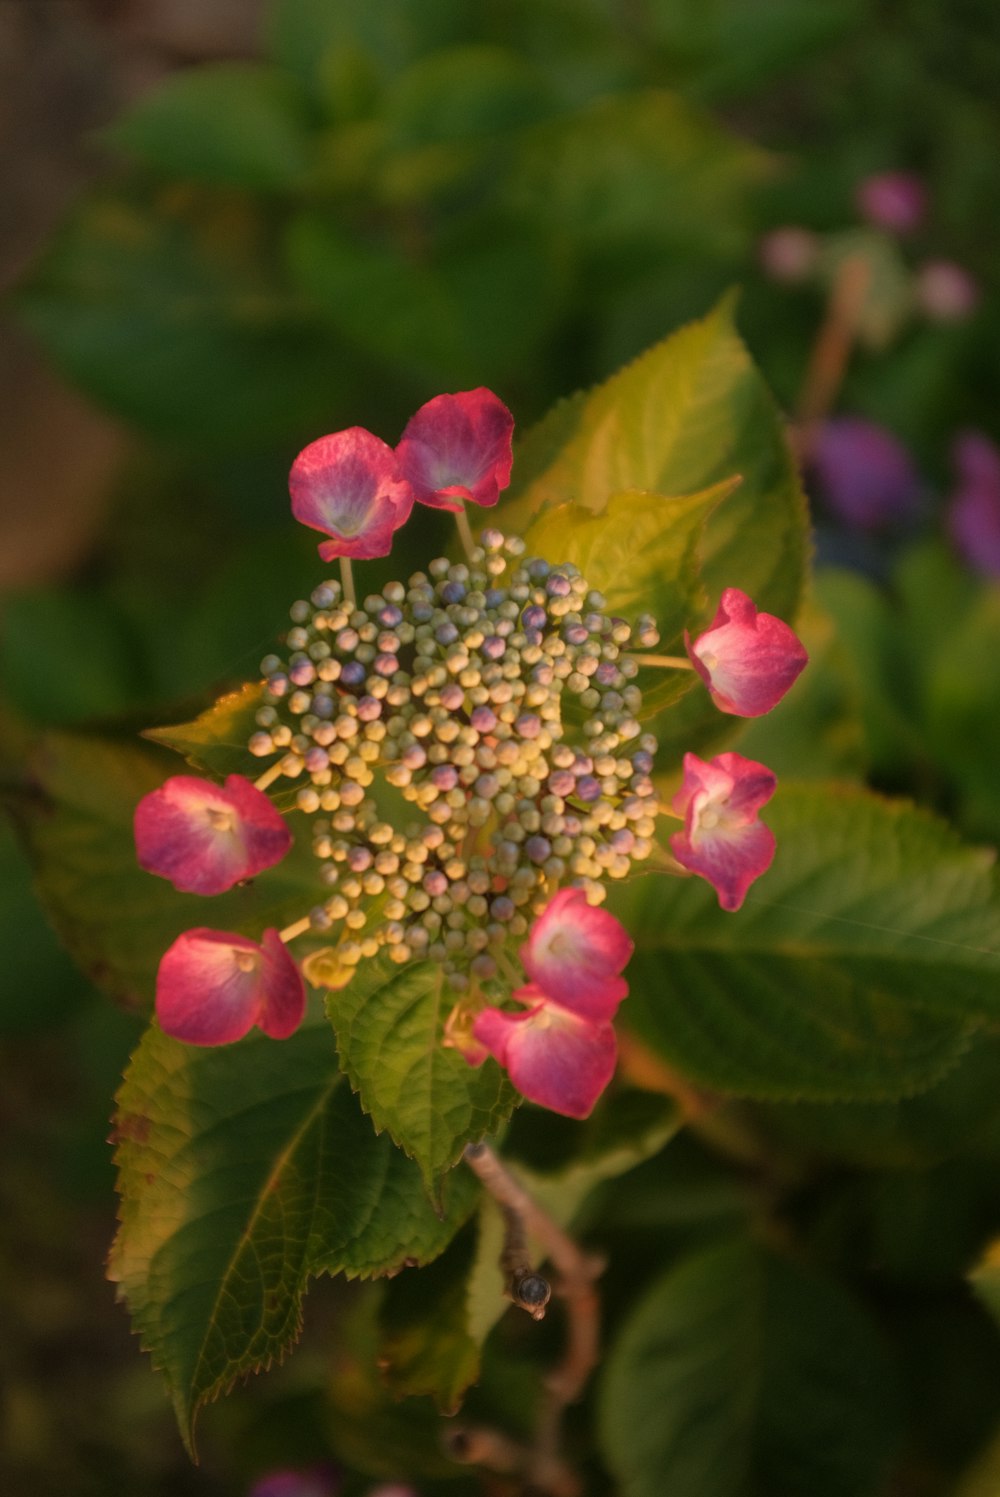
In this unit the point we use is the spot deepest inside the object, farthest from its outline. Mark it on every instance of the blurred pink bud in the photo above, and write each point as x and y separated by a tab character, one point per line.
204	837
553	1057
893	200
945	292
457	449
575	953
747	659
349	486
722	840
314	1481
213	986
866	475
974	508
789	254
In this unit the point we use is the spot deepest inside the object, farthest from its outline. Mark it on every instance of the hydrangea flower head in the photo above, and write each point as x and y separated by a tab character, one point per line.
575	953
723	841
457	449
747	659
553	1057
349	486
893	200
213	986
866	475
204	837
974	507
945	291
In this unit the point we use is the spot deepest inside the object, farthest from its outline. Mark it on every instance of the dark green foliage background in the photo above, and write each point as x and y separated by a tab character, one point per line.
395	199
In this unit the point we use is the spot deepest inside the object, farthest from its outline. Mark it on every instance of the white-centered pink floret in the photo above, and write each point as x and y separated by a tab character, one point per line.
747	659
213	986
205	837
457	449
553	1057
723	840
349	486
576	952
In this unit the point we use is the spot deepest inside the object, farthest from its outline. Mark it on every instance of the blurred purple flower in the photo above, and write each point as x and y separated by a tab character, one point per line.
789	254
945	292
311	1481
865	474
893	200
974	508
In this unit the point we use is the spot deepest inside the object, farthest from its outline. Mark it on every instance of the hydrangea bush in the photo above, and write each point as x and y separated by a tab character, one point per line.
473	862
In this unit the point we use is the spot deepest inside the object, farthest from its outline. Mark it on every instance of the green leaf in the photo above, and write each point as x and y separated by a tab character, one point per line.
426	1347
389	1023
739	1373
243	1171
641	170
685	417
855	970
642	553
75	820
169	312
230	124
216	740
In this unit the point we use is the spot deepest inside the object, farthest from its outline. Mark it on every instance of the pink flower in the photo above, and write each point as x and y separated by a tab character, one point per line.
574	952
893	200
789	254
553	1057
214	986
349	486
946	292
974	506
748	660
205	838
722	840
457	449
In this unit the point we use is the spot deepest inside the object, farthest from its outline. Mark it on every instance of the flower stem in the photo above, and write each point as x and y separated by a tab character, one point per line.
465	533
832	350
298	929
668	662
578	1272
347	581
268	777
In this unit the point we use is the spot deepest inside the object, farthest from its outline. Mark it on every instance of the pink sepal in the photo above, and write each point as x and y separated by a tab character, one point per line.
748	660
204	837
575	952
349	486
553	1057
213	986
458	449
722	840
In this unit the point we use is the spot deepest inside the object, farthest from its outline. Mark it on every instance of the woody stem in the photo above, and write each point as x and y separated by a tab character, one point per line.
347	581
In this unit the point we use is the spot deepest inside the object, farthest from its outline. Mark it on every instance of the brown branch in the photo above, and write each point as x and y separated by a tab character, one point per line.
577	1273
832	349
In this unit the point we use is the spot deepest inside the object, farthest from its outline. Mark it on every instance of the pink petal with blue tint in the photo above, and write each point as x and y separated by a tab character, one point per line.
553	1057
213	986
722	840
349	486
205	838
575	952
748	660
458	449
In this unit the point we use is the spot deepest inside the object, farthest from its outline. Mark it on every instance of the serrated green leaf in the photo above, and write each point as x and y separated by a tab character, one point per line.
739	1373
231	124
75	822
389	1023
426	1347
855	970
216	740
642	553
687	415
243	1171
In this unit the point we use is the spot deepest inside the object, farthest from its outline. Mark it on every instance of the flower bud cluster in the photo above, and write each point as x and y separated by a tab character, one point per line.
497	700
